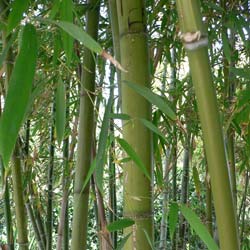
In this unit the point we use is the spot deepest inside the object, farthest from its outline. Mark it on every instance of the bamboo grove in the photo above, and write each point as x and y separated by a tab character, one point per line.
124	124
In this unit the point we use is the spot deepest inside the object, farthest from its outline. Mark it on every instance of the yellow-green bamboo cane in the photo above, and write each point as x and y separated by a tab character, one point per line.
85	135
195	41
137	187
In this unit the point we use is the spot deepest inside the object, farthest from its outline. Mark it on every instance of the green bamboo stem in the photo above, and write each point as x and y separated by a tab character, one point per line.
112	168
196	46
174	146
21	218
209	217
85	136
34	225
105	236
28	204
116	42
7	209
137	187
242	224
49	221
66	175
165	193
184	192
63	225
40	227
229	94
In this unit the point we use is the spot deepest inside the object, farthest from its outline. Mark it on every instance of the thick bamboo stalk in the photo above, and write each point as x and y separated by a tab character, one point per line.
195	42
137	187
85	136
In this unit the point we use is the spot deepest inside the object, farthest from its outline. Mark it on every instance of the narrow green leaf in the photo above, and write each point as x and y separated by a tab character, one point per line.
132	154
98	162
60	115
197	182
67	15
153	98
120	224
153	128
148	239
18	94
16	14
173	218
57	49
100	156
123	242
80	35
90	172
198	227
54	9
241	72
125	160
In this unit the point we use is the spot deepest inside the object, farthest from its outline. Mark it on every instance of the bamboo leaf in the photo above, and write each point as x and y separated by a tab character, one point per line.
132	154
173	218
148	239
80	35
153	128
123	241
67	15
241	72
153	98
19	90
198	227
120	224
91	171
57	49
54	9
83	37
125	160
100	157
16	14
60	115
